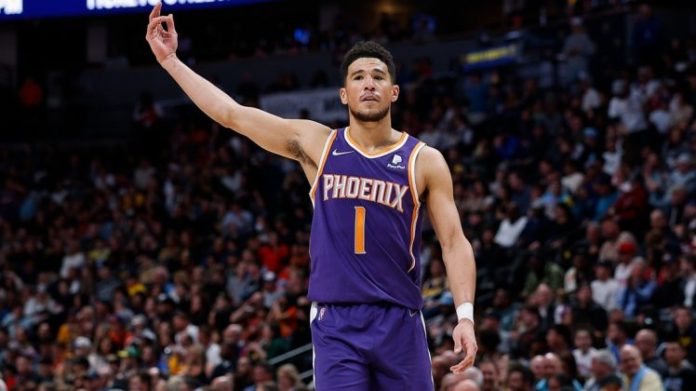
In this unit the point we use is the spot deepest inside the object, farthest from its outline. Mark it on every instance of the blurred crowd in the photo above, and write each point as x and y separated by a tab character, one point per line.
180	261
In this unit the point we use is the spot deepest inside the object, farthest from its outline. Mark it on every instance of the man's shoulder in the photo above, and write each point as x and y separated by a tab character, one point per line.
611	379
651	375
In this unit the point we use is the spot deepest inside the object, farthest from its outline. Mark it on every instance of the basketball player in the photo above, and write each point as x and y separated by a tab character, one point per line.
370	185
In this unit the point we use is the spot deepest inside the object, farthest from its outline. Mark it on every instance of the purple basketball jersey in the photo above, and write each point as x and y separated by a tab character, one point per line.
366	229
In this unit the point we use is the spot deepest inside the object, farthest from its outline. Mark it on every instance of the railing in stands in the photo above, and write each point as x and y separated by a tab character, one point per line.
291	355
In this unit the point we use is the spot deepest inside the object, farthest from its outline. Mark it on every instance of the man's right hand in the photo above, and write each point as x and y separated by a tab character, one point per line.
163	43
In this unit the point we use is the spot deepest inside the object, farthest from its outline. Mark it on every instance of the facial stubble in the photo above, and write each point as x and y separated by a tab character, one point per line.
369	117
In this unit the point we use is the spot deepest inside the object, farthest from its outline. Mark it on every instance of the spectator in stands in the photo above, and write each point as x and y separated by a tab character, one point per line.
552	365
262	374
604	287
520	379
527	339
647	36
637	376
491	378
289	379
680	375
688	283
577	51
583	352
646	342
683	328
542	271
604	373
638	291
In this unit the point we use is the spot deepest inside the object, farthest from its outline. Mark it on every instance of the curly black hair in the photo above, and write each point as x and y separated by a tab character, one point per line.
368	49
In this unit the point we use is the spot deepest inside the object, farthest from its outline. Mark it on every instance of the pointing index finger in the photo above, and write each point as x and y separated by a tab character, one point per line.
155	10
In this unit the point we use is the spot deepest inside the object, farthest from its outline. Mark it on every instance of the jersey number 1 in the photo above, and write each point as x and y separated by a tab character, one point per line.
359	243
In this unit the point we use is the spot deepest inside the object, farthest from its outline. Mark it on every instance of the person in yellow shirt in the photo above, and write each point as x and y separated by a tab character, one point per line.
636	376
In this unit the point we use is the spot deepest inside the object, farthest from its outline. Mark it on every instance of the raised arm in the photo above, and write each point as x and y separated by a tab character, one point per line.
456	249
301	140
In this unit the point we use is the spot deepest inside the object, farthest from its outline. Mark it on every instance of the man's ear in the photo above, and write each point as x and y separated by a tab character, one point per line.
395	93
344	96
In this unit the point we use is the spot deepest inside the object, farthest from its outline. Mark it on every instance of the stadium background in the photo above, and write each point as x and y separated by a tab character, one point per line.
144	247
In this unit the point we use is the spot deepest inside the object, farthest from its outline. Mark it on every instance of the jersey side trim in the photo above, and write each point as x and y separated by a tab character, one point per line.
416	200
322	163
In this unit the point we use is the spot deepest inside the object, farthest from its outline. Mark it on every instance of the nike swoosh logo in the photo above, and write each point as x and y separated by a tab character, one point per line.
412	313
336	153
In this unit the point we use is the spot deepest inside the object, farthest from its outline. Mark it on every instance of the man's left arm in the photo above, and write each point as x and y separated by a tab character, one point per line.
457	253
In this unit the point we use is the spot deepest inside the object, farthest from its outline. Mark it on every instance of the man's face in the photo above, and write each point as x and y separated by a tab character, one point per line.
630	362
368	90
515	381
602	272
645	344
674	354
583	340
537	367
490	378
135	384
552	366
682	318
599	369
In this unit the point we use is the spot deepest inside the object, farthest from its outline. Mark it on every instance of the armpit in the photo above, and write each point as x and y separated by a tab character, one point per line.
299	154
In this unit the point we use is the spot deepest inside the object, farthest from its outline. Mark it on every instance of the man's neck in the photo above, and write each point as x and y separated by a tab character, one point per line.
632	376
676	368
372	136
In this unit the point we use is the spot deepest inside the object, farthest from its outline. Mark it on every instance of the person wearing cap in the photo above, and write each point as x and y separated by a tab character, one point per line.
626	251
271	291
83	349
683	174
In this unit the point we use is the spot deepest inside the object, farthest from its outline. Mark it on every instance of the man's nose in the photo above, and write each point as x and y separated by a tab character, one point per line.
369	83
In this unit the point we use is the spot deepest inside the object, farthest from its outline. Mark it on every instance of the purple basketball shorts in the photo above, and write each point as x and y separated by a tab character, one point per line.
369	347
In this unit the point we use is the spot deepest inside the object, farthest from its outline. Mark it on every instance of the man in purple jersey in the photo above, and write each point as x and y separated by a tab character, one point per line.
369	182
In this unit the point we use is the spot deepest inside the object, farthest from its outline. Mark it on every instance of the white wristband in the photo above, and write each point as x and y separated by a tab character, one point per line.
465	311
